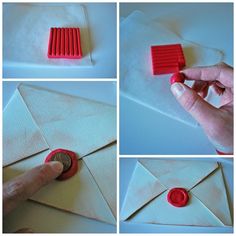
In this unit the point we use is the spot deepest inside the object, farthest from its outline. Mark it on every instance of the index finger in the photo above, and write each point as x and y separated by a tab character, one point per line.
25	185
221	72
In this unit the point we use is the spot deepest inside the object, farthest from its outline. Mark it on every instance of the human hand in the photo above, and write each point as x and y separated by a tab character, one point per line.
24	186
216	122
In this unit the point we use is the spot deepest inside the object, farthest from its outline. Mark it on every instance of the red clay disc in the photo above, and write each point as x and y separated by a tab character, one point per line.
177	77
68	159
178	197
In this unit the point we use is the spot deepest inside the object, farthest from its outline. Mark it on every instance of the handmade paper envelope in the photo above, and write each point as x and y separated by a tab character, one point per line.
38	120
146	197
137	34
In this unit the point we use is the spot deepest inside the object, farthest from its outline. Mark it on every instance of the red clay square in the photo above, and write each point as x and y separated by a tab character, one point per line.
64	43
167	59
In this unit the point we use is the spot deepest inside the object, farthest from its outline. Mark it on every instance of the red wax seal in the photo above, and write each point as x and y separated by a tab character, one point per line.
178	197
68	160
177	77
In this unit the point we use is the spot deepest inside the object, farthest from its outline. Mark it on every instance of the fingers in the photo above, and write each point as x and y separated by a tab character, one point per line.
201	87
198	85
24	186
222	73
218	90
202	111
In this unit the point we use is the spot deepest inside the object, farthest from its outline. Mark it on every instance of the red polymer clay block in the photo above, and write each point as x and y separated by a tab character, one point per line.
64	43
167	59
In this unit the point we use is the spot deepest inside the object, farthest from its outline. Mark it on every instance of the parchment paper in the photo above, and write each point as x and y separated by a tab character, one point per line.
26	29
137	34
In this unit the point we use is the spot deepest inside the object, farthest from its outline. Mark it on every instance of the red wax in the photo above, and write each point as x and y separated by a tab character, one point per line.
177	78
167	59
74	163
64	43
178	197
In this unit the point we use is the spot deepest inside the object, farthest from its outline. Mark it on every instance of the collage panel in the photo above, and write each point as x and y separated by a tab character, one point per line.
39	38
64	131
176	195
176	78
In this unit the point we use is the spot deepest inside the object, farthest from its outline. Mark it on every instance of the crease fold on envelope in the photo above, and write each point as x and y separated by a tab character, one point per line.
146	197
91	133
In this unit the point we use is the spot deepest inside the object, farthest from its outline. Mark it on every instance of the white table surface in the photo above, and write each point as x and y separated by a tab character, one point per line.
126	169
143	131
102	29
43	218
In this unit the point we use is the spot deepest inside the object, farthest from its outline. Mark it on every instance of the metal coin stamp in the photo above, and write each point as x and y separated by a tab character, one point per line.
63	158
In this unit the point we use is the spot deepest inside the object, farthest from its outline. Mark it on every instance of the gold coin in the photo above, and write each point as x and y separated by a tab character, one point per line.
64	159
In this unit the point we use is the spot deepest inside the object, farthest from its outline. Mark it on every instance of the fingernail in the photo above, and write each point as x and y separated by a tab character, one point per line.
177	89
56	166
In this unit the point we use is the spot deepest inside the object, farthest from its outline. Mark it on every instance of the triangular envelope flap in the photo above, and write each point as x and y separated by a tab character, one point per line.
12	171
79	194
102	165
21	135
178	173
159	211
46	220
143	187
212	194
71	122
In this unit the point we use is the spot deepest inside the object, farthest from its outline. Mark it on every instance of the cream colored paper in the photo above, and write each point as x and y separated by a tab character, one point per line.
146	197
63	121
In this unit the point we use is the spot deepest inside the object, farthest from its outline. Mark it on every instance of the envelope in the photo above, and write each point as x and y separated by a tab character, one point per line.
37	121
152	179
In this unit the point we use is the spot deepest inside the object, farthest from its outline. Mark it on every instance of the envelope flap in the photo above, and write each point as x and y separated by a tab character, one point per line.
21	135
102	166
143	187
159	211
70	122
175	173
212	193
79	194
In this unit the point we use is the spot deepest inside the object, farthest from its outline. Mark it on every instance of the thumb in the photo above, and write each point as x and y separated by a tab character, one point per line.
201	110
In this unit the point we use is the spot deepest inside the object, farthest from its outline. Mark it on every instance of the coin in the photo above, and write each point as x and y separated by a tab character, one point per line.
64	159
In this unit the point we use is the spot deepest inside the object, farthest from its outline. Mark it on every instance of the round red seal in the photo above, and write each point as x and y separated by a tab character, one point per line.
178	197
68	160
